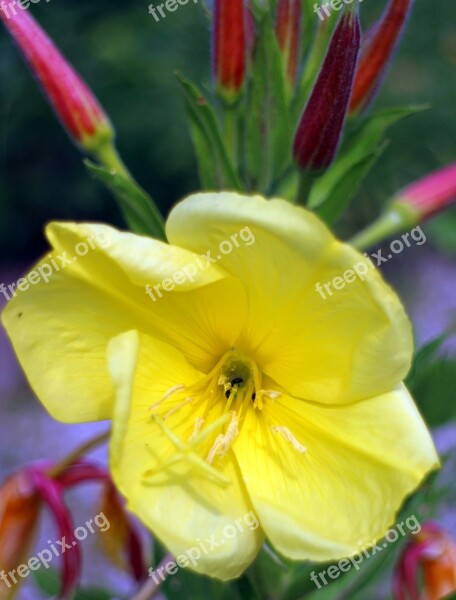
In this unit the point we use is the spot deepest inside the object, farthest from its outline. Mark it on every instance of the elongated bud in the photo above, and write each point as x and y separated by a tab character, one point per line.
320	128
288	30
378	47
229	41
74	103
431	558
19	512
428	196
412	205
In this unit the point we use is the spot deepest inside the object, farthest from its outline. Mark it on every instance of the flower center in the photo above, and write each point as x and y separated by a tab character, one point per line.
218	403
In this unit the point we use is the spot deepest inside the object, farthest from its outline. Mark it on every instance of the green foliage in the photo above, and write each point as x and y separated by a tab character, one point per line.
215	167
268	140
431	382
48	581
136	205
332	192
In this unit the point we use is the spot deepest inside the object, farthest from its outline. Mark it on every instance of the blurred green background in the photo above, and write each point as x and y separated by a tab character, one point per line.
129	59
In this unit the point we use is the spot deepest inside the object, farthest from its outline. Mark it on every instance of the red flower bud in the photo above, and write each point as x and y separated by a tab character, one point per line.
378	47
430	557
320	128
229	39
429	195
73	102
288	29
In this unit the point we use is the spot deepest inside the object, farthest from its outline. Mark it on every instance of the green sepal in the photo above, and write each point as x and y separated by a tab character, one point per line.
136	205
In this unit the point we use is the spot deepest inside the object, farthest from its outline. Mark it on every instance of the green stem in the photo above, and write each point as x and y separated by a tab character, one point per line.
85	448
107	154
306	181
395	219
230	124
109	157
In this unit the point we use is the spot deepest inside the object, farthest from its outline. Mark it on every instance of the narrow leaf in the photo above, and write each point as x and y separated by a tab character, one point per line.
215	168
333	191
139	211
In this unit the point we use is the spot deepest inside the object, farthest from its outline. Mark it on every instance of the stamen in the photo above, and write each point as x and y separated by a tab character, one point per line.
178	407
176	388
224	441
271	394
198	425
289	437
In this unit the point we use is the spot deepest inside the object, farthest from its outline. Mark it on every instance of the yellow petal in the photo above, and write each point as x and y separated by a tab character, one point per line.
61	325
354	344
344	490
189	506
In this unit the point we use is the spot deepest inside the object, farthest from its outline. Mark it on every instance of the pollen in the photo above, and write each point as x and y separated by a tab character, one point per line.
219	401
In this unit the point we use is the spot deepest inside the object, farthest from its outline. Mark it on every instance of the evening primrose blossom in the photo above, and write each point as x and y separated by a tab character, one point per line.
240	391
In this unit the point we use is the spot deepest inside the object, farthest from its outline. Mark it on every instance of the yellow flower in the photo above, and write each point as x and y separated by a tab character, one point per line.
241	389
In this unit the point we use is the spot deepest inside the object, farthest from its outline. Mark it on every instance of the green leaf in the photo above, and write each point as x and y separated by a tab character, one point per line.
332	192
431	382
138	209
268	139
215	167
48	581
188	585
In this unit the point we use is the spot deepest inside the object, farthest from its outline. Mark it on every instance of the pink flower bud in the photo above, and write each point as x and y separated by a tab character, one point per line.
320	128
74	103
429	195
288	29
378	47
431	558
229	40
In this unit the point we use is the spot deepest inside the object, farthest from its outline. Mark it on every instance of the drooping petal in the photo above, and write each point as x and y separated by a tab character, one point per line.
354	343
344	490
71	559
19	512
184	503
61	324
